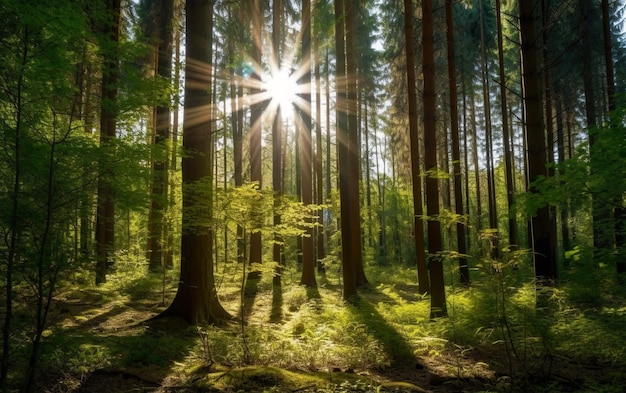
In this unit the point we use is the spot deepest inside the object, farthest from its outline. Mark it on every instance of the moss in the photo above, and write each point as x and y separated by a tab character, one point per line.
262	378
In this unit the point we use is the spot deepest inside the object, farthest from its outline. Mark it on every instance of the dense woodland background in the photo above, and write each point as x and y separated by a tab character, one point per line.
222	195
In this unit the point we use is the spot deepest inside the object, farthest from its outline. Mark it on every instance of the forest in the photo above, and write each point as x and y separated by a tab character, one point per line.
312	196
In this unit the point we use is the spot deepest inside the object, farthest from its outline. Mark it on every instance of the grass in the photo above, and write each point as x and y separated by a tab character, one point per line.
492	341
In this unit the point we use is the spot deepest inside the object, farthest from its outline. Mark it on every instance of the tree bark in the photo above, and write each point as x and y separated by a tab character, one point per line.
105	215
157	230
256	120
437	287
418	210
508	154
491	188
456	148
306	150
196	300
352	10
277	137
343	150
545	264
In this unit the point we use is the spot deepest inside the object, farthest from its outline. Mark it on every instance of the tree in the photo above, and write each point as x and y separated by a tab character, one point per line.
256	119
196	300
491	188
456	148
352	9
545	263
343	157
418	210
277	125
105	216
157	230
320	24
508	155
306	168
438	295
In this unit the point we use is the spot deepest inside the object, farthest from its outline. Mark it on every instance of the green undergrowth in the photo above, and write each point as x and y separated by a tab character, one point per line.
311	339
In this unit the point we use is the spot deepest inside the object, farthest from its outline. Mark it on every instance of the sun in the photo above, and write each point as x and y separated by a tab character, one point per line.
282	89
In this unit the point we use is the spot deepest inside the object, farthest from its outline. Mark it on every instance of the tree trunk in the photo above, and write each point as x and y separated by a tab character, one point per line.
196	300
105	216
545	264
277	138
348	257
306	150
438	295
619	215
508	155
549	122
456	148
479	207
320	234
157	230
418	212
491	188
352	10
256	120
601	212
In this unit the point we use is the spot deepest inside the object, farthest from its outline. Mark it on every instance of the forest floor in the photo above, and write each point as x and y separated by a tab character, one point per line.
102	340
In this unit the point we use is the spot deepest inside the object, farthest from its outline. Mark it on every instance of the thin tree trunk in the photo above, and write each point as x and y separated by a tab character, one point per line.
277	138
479	209
319	174
256	120
105	216
491	188
306	167
418	213
456	149
438	295
506	137
157	230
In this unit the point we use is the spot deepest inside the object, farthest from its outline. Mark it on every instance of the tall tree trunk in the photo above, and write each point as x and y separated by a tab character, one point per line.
352	10
564	208
329	186
418	212
86	204
277	138
545	264
319	173
306	150
491	188
479	207
157	230
168	258
466	154
619	214
343	149
437	288
105	216
456	149
196	300
601	212
608	55
368	176
506	137
256	120
549	121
